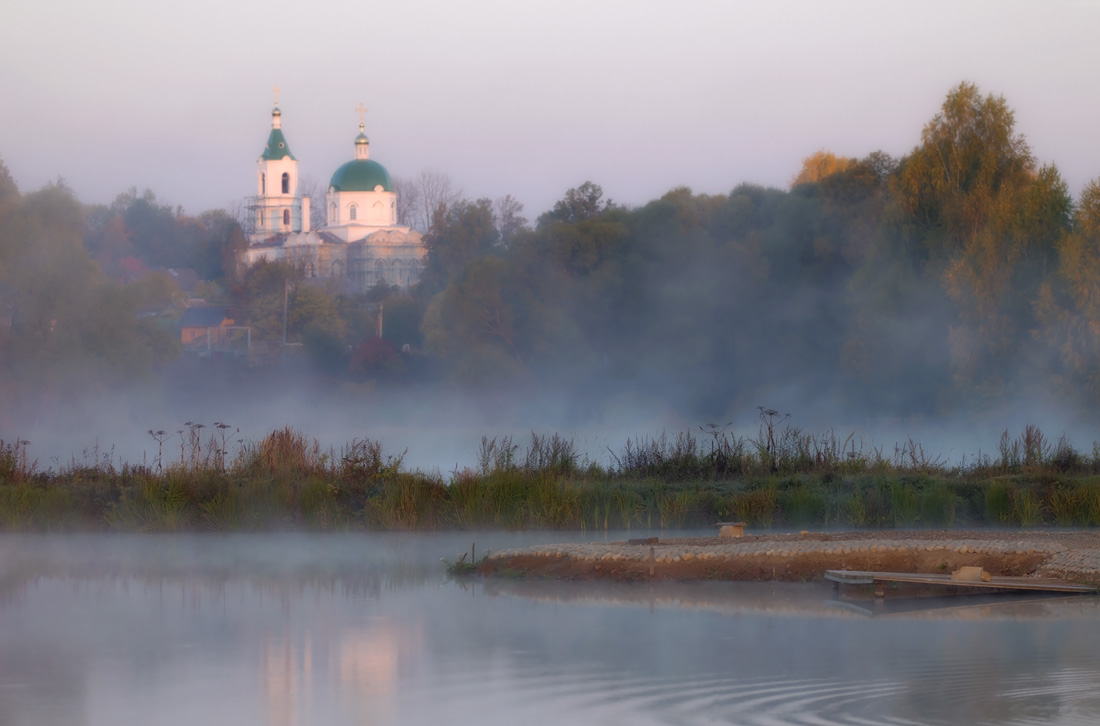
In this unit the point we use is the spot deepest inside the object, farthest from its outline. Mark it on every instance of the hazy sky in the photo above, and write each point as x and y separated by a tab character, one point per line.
528	98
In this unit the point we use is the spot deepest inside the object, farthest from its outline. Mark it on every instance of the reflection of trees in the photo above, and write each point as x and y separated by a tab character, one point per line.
131	629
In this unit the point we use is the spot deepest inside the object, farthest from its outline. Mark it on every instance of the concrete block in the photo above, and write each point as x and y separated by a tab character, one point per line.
731	529
970	573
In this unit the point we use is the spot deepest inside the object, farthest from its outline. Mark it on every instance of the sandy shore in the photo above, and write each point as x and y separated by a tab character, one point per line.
1070	556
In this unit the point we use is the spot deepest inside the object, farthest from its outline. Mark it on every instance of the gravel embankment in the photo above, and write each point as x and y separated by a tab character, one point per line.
1073	556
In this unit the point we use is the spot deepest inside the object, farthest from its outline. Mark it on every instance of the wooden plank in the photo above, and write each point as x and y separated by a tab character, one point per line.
861	577
850	577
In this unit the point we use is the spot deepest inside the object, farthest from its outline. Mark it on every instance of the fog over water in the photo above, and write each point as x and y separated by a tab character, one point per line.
686	257
440	429
302	629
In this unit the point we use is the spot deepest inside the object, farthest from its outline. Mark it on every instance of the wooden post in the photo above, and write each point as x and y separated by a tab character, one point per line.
286	296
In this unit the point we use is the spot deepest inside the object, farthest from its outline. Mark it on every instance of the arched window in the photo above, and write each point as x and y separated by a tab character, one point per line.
352	212
263	184
261	218
286	217
286	183
332	213
377	211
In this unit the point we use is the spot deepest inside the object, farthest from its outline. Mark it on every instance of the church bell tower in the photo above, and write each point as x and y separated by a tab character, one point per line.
277	209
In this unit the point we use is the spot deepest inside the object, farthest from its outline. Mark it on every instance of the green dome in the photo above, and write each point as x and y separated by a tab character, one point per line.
361	175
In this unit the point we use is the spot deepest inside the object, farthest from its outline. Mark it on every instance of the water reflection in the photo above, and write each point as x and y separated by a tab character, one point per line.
305	630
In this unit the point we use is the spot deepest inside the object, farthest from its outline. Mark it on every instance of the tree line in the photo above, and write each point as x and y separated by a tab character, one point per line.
959	275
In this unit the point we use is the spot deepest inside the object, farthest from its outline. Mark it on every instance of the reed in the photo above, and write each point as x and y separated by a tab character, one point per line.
998	502
785	477
14	467
939	505
906	504
804	504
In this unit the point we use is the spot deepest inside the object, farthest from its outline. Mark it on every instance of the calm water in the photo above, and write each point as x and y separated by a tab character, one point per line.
288	630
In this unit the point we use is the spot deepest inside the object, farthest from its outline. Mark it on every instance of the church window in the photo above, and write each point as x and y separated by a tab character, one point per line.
263	183
261	218
352	212
332	214
286	183
286	217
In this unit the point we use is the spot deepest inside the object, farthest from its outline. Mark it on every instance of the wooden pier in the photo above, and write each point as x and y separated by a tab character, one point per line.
881	579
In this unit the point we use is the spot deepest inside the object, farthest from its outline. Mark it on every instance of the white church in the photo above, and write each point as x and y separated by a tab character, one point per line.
360	241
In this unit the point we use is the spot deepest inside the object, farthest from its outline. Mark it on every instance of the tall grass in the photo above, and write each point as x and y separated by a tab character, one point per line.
784	477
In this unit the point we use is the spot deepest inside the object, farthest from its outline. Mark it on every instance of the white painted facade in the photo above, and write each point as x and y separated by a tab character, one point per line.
360	245
277	209
354	215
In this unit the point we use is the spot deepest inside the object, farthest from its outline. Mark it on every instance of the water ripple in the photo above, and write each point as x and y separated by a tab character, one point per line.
951	695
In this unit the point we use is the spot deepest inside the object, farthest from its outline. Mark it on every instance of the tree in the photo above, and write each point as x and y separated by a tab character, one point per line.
1069	302
63	328
473	322
579	203
9	192
315	191
261	292
460	232
509	218
235	244
430	190
819	165
109	242
408	200
375	357
977	214
969	153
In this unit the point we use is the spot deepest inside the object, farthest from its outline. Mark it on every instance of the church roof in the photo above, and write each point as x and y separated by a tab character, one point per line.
361	175
276	148
208	316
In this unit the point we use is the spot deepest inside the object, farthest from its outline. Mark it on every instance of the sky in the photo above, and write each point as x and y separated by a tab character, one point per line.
523	98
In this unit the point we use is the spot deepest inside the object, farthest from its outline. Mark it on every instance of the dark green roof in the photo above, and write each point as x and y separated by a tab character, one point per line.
361	175
276	148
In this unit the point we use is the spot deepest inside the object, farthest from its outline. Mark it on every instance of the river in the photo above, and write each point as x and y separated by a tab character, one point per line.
291	630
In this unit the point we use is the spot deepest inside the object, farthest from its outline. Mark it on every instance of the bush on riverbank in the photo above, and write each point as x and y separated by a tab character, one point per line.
779	479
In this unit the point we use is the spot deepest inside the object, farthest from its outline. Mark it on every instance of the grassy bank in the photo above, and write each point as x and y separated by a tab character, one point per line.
781	478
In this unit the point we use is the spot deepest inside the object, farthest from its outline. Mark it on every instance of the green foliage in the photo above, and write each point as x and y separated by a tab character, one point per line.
14	468
998	502
804	504
938	505
579	204
285	481
759	505
66	329
906	504
459	233
1069	505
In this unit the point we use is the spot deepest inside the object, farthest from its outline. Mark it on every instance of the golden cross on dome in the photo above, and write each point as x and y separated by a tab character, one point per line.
362	110
276	95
